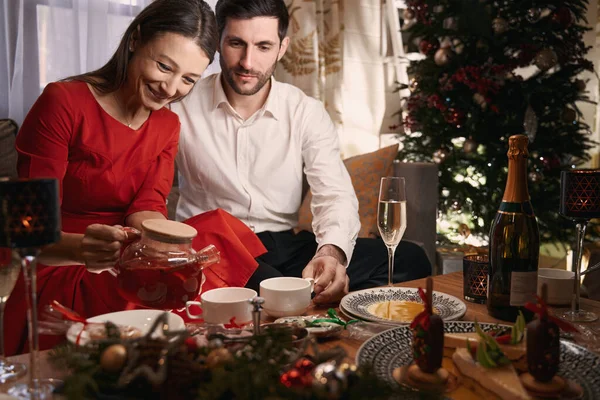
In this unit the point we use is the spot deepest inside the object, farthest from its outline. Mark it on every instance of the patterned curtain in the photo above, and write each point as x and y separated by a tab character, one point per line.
313	61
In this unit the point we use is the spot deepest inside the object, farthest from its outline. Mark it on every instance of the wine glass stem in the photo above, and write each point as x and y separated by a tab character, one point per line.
28	264
581	227
2	305
391	252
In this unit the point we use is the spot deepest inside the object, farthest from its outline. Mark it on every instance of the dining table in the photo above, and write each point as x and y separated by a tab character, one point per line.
352	338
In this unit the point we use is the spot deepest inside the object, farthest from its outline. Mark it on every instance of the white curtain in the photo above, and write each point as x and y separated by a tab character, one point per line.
48	40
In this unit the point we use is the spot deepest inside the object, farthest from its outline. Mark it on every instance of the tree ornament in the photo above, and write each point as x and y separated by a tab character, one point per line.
440	155
428	46
113	358
470	146
562	17
569	115
535	176
413	84
534	15
545	59
408	14
480	100
218	358
458	46
455	117
328	380
499	25
530	123
442	56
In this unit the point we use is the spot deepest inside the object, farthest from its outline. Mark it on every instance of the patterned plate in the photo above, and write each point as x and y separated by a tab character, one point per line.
392	348
357	303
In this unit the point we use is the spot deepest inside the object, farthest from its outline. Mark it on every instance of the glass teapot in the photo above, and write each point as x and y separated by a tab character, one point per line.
162	270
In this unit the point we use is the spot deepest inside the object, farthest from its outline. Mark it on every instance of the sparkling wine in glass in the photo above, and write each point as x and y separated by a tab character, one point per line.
10	266
391	217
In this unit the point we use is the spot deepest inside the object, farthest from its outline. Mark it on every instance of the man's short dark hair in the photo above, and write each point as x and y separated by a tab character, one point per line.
247	9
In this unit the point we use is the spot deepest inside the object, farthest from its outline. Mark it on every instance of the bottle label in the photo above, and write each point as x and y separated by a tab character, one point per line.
523	287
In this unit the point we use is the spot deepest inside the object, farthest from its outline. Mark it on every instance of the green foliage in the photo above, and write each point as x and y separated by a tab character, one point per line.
481	95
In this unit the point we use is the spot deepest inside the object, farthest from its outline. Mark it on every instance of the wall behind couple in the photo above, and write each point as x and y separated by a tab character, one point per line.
334	56
47	40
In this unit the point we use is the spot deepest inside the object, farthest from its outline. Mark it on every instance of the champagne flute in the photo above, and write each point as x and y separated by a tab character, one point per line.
9	273
391	217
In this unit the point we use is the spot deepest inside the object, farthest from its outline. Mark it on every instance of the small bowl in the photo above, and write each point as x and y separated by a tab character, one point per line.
559	283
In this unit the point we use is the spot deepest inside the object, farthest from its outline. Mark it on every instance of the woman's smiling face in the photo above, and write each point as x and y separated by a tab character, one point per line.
164	69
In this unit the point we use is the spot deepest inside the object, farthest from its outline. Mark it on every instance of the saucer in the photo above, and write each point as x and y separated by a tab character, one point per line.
139	319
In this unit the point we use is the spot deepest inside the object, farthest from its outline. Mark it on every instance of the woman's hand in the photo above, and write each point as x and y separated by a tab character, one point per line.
101	246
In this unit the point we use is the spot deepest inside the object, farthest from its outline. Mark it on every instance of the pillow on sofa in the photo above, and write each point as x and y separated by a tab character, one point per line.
365	171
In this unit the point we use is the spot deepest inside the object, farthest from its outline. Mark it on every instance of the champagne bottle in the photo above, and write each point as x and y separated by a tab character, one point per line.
514	242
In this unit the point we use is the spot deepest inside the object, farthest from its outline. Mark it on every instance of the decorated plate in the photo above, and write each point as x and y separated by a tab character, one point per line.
141	320
392	348
359	304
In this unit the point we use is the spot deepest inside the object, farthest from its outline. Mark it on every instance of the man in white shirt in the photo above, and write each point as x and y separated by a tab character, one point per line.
246	141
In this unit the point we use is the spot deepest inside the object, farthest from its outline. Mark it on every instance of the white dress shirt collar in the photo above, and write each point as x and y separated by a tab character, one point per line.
270	106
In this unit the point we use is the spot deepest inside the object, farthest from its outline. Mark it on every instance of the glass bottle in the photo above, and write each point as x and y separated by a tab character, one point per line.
514	242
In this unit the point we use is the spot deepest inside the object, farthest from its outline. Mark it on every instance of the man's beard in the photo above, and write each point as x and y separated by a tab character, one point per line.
262	78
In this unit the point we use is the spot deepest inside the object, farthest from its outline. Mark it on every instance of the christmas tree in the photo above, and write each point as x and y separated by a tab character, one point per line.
492	69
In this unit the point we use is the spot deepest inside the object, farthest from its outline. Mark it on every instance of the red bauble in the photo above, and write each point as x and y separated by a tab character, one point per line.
428	46
562	17
455	117
304	366
296	378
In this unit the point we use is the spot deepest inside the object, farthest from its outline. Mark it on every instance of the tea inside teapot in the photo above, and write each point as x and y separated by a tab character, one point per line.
162	270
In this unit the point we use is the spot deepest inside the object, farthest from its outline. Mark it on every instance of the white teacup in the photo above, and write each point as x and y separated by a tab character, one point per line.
220	305
286	296
559	285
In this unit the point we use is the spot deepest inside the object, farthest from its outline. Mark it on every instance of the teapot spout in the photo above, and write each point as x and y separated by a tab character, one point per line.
208	256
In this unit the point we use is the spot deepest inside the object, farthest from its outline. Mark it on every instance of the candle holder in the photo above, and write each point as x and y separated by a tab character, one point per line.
580	202
475	277
30	220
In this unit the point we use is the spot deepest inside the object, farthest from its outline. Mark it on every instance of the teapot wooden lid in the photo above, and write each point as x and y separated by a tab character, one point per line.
169	229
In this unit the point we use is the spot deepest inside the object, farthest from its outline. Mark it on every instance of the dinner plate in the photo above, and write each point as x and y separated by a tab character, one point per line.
392	348
140	319
357	304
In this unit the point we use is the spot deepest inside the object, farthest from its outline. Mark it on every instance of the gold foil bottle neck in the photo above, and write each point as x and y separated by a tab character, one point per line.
517	147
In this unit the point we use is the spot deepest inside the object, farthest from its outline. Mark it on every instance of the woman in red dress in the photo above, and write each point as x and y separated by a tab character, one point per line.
111	142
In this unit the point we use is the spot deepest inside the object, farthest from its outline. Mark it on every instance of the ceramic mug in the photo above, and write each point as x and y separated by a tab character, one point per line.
559	284
286	296
220	305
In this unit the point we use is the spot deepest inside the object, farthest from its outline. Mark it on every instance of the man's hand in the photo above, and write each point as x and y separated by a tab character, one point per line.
329	272
101	246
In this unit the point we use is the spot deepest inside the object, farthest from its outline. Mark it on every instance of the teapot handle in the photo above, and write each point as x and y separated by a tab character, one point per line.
132	235
208	256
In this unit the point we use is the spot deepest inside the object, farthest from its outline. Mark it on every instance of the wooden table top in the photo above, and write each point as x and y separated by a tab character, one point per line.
352	339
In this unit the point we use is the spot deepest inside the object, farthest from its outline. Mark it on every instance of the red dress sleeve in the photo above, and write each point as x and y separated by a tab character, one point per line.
158	181
43	140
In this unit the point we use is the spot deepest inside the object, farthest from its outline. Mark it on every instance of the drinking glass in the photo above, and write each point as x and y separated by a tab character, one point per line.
30	213
9	273
580	202
391	217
